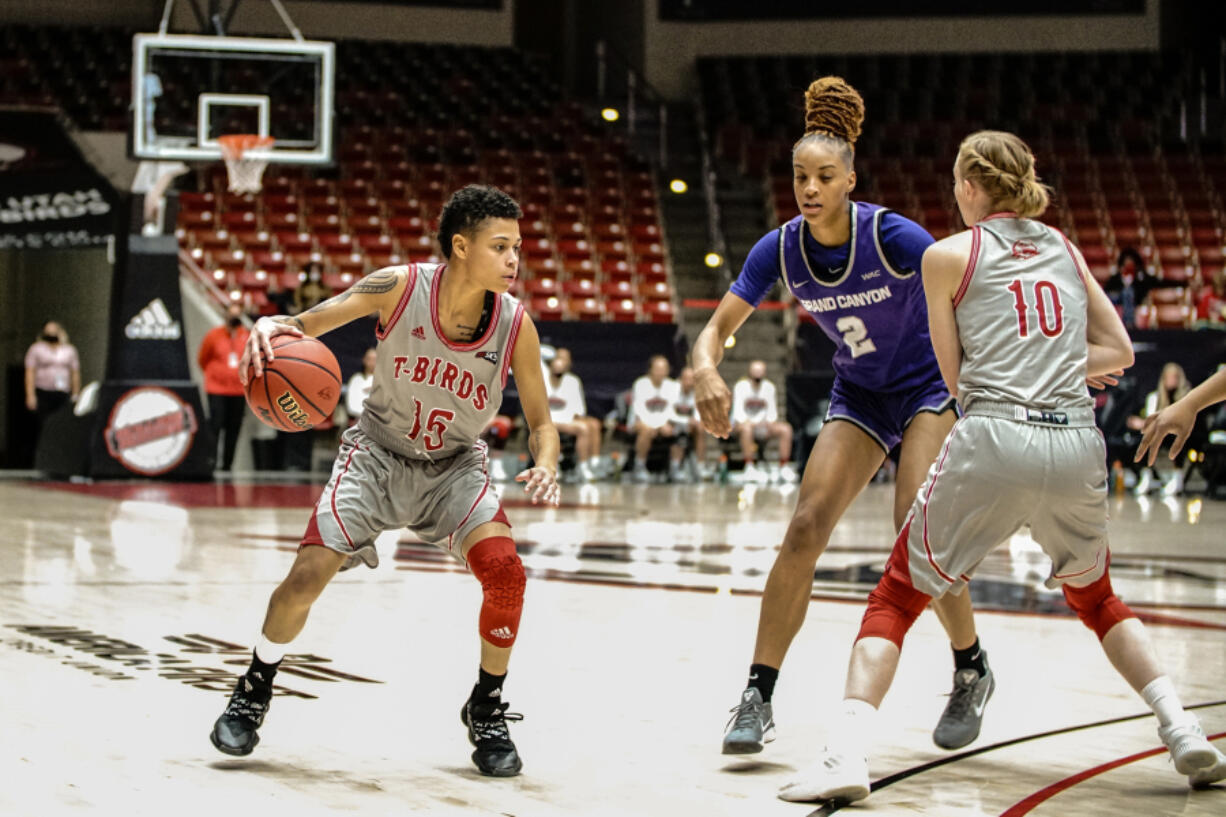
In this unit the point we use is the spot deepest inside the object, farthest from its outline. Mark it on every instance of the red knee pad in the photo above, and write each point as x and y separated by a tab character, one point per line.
497	566
1097	605
894	604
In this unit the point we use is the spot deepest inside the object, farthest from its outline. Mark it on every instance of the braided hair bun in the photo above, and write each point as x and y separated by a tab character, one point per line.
834	108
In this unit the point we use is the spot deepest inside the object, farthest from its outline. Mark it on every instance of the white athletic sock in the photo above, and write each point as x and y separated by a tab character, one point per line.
854	727
270	652
1161	696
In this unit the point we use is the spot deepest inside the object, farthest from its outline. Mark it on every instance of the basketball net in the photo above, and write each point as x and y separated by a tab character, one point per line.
245	160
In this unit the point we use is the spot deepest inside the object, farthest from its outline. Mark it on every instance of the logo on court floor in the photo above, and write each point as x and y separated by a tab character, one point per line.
150	430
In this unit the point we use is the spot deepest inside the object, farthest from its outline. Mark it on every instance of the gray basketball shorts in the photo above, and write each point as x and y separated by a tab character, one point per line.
372	490
995	475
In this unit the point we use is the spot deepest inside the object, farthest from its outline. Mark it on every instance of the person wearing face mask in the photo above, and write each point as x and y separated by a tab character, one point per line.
218	358
53	373
312	291
755	419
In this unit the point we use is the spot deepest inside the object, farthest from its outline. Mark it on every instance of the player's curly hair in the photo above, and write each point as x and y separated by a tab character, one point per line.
468	207
1003	166
834	113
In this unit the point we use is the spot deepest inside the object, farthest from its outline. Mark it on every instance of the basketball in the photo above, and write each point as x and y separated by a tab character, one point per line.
299	387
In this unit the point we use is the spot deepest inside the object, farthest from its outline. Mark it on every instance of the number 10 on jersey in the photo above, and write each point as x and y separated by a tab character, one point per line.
1047	304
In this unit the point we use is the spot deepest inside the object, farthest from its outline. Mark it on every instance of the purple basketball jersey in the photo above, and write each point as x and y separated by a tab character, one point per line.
876	315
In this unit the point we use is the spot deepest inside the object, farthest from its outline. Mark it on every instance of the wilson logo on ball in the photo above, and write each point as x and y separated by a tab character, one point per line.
293	412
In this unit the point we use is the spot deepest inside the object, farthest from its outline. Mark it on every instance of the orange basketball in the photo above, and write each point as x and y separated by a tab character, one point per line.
300	386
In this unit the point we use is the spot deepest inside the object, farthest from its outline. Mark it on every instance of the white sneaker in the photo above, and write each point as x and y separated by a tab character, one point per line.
835	776
1189	748
1210	774
641	475
1174	486
1145	484
787	473
498	471
585	472
753	475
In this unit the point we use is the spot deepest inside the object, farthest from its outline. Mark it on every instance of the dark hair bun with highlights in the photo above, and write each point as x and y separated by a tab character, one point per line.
834	108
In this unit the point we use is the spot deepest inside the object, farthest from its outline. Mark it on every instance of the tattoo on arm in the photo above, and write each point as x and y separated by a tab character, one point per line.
377	283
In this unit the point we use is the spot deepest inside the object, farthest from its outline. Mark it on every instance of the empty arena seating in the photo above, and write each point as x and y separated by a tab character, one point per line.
590	207
1101	126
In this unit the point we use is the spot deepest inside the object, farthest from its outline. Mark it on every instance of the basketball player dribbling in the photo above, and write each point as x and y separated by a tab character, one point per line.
855	267
1017	323
447	336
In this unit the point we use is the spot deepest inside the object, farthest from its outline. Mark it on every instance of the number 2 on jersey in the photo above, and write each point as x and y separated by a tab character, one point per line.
436	426
1051	317
855	335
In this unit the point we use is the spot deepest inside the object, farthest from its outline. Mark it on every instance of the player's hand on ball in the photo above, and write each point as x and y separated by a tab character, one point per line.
259	347
542	483
1175	420
714	402
1102	381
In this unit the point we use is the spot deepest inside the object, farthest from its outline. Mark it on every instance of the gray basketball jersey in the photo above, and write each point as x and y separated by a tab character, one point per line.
1021	311
431	398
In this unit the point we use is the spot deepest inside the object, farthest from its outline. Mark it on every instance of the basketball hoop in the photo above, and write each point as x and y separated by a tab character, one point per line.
245	160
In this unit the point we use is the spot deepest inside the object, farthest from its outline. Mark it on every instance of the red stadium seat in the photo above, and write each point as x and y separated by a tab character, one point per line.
537	248
253	279
580	288
587	309
660	312
617	250
281	222
1168	295
571	248
548	308
273	262
649	252
295	242
656	291
618	289
580	268
383	258
370	242
615	267
543	287
1172	316
254	242
652	271
622	310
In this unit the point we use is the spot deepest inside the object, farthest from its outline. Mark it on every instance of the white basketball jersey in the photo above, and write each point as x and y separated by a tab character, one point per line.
432	398
1021	312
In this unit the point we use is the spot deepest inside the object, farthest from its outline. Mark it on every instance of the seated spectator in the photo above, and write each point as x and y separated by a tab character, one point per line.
568	408
1172	385
279	302
755	419
1209	298
651	413
1129	284
688	425
312	291
359	386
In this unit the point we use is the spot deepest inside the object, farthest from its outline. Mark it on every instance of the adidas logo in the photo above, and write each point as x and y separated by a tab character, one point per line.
502	632
153	323
420	333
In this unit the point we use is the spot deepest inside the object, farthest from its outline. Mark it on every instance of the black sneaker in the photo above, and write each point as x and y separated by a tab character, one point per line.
234	732
487	730
963	715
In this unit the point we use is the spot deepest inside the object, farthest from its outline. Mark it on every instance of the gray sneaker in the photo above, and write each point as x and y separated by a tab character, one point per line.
752	724
963	715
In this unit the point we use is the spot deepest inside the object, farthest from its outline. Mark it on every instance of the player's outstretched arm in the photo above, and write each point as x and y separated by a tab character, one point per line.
711	395
541	480
378	292
1178	418
943	265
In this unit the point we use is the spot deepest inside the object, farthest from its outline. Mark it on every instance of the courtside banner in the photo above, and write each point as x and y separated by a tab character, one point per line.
50	196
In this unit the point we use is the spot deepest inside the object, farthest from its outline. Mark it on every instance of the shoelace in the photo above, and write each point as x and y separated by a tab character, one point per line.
960	698
746	715
242	706
494	725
